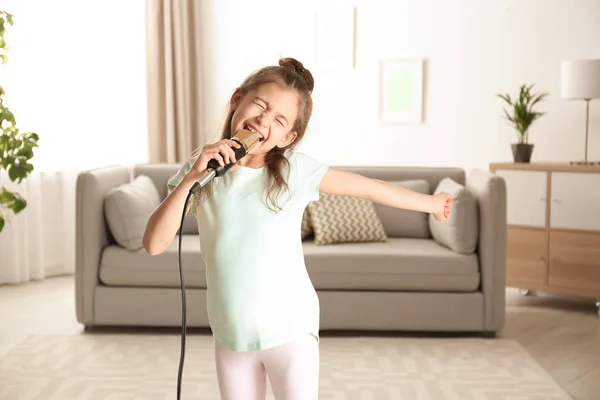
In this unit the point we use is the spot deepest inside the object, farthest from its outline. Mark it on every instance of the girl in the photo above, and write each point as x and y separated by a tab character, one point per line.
262	307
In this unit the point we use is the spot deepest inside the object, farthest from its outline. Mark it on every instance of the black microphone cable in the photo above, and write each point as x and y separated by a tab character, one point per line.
183	304
247	140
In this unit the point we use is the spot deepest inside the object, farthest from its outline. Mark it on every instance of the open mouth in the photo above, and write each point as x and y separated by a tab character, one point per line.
251	129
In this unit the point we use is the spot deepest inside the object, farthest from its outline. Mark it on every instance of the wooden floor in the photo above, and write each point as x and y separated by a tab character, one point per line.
561	333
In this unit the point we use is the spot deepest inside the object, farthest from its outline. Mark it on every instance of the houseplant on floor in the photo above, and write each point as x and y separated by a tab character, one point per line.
522	116
16	148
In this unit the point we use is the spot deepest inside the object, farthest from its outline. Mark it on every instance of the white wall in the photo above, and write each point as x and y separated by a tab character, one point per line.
474	49
76	75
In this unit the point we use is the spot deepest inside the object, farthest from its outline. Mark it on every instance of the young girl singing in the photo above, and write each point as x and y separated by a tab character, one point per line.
262	307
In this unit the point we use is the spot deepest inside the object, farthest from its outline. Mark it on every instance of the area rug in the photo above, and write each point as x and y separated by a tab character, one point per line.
144	367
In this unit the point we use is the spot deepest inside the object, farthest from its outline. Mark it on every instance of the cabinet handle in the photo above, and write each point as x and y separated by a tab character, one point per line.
542	199
555	200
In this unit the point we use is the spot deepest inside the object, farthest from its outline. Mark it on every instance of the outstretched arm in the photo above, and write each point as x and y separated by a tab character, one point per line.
354	185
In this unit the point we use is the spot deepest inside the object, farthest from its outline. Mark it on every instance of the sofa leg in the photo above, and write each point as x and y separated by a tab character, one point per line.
489	335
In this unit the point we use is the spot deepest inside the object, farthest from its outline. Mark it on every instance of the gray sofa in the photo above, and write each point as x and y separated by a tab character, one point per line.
408	283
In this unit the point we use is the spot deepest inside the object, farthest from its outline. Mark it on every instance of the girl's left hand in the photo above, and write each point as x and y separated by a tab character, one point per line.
444	206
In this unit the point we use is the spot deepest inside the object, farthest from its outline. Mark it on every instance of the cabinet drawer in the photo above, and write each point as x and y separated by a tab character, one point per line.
526	197
526	255
575	260
575	197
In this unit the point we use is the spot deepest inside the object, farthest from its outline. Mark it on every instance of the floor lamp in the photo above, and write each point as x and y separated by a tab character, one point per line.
580	79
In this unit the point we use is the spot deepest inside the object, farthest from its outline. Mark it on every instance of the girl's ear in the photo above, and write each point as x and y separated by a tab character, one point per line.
236	99
287	139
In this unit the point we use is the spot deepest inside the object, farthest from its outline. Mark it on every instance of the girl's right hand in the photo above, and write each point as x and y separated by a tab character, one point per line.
221	151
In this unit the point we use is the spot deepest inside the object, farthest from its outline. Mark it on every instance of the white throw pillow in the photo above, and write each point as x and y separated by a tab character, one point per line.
127	209
461	232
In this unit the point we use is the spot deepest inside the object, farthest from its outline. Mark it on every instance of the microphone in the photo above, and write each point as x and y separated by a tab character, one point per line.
247	140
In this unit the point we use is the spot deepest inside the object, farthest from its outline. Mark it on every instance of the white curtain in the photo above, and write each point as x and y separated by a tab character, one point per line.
39	242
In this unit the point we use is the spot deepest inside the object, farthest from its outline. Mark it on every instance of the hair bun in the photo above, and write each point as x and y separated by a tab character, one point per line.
297	67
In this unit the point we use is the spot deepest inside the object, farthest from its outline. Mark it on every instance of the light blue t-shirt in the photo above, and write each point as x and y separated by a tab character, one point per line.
259	294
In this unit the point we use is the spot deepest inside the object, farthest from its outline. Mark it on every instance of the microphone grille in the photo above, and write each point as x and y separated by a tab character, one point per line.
246	138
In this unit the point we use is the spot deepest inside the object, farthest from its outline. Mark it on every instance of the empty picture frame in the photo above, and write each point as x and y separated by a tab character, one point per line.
401	91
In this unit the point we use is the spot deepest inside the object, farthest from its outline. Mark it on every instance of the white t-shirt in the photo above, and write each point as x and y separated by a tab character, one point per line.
259	294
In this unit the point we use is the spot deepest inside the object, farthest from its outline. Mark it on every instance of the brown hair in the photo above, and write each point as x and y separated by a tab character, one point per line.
291	74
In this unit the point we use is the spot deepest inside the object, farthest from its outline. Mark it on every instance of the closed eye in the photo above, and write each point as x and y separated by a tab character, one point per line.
260	105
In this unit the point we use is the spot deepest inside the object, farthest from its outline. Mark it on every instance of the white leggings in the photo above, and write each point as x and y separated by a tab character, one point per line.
292	368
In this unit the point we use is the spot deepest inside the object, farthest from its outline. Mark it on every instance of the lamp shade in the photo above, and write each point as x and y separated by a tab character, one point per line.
580	79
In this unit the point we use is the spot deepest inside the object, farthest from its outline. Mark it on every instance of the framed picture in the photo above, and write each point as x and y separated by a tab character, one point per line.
401	92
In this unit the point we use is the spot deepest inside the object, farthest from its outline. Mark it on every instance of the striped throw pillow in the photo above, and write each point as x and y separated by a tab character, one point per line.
343	219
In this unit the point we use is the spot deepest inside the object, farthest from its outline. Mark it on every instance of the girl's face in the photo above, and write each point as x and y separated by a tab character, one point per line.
271	110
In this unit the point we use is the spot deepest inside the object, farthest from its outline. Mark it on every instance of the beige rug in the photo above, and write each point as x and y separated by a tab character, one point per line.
144	367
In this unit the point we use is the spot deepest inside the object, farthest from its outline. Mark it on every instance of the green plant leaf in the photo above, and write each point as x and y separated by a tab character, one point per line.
7	161
19	205
17	172
508	116
2	219
25	152
506	98
30	139
6	196
6	115
537	99
3	140
12	200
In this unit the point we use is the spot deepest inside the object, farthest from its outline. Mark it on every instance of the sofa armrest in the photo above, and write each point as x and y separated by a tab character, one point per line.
91	233
490	190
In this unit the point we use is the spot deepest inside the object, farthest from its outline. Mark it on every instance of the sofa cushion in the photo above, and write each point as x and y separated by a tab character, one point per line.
461	232
399	222
405	264
306	227
119	267
127	208
344	219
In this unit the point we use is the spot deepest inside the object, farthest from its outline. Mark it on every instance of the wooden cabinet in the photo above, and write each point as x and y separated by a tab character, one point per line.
575	261
527	255
553	241
575	198
526	197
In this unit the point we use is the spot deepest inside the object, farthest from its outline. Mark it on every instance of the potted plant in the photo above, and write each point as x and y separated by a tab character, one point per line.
16	148
522	115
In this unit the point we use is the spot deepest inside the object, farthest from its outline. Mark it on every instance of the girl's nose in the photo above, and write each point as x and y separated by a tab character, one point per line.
260	119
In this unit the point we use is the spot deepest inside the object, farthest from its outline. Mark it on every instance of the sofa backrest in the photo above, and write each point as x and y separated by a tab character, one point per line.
400	222
397	223
160	174
433	175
